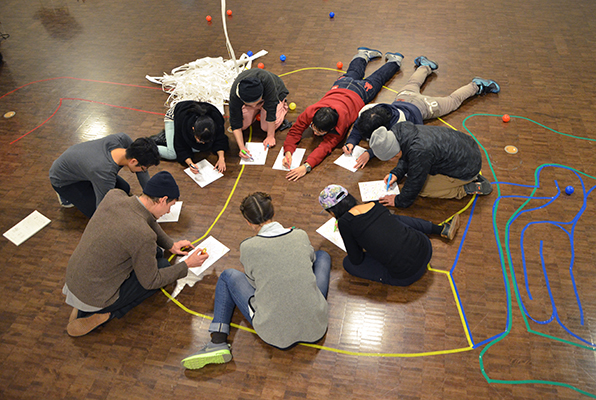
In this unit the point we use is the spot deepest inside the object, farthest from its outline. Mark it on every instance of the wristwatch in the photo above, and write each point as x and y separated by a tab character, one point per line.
308	167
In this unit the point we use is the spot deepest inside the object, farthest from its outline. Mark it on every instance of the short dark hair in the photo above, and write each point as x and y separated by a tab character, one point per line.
257	208
144	150
204	128
343	206
325	119
373	118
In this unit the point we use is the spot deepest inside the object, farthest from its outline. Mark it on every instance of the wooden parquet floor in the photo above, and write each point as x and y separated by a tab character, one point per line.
509	313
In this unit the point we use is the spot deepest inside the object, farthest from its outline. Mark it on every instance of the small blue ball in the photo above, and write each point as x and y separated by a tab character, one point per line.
569	190
331	14
282	57
249	53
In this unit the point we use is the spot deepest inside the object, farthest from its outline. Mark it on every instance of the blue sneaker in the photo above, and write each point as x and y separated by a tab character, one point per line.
486	86
369	54
425	61
212	353
394	57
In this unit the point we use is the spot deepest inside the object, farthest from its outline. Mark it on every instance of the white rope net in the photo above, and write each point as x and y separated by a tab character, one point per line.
206	79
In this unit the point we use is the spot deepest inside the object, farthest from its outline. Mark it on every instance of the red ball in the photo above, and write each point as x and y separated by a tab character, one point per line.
258	118
506	118
261	65
229	12
208	18
340	65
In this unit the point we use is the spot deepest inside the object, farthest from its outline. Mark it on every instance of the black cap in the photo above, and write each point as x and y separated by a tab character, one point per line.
162	184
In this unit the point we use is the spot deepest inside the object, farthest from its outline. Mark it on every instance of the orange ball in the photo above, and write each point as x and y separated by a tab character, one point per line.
229	12
261	65
208	18
340	65
506	118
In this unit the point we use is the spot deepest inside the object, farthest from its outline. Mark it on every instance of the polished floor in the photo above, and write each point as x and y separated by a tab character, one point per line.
507	311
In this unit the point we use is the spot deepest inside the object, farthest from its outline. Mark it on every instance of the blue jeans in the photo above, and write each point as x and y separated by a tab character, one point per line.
234	290
367	88
82	195
373	270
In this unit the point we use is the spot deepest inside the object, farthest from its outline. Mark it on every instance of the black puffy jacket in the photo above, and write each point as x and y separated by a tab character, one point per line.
432	150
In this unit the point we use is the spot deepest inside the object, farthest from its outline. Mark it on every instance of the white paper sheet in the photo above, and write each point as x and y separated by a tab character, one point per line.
348	161
215	249
173	215
258	153
331	233
374	190
207	173
296	160
28	227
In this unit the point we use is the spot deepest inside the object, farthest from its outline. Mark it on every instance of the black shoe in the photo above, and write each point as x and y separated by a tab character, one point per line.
285	125
160	138
480	186
450	228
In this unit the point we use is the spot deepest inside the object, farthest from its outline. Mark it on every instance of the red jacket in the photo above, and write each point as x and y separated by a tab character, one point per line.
347	104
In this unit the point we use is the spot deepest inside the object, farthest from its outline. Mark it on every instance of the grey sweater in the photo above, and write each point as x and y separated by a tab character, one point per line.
287	303
92	161
121	237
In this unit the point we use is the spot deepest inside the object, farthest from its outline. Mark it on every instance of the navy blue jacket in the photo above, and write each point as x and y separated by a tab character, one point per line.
411	113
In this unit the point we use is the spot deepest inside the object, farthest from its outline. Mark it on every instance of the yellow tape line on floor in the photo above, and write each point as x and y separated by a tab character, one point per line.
331	349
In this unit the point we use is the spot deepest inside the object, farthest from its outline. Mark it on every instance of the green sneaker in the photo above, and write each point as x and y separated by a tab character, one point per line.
212	353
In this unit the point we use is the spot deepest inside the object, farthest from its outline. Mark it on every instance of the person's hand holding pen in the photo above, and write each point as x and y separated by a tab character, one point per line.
390	179
194	168
181	247
197	258
246	155
287	161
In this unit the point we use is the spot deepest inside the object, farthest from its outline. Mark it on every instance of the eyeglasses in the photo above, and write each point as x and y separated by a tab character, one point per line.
316	130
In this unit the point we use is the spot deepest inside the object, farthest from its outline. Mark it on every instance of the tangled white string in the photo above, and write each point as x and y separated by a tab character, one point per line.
206	79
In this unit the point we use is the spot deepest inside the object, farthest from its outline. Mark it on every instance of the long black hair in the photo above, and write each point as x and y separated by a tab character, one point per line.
204	128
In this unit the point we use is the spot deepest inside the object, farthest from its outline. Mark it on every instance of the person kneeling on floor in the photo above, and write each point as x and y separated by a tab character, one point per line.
116	265
439	162
382	247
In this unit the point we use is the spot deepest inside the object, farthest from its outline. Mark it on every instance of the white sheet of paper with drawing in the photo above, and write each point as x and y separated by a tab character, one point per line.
374	190
296	159
215	249
257	152
28	227
207	173
329	232
348	161
173	215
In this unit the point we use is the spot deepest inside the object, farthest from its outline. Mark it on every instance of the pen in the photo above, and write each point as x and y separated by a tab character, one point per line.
246	154
388	181
204	250
185	248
